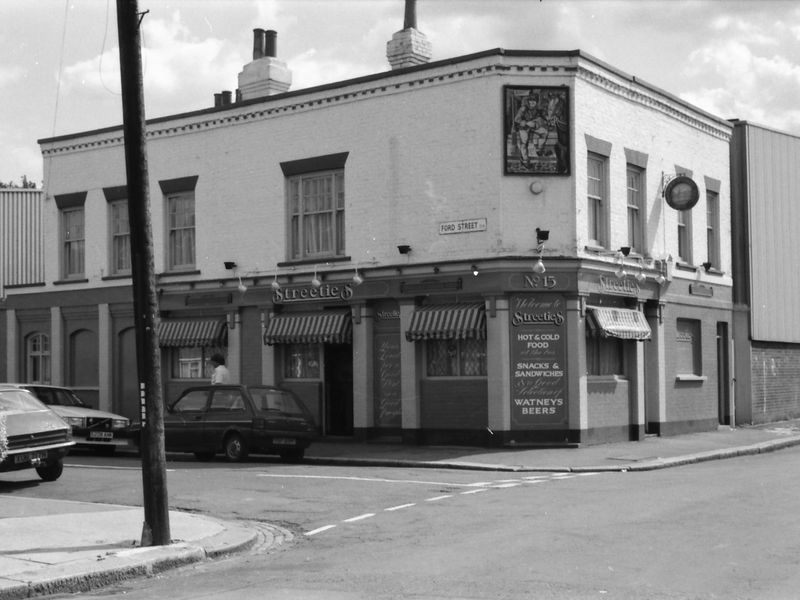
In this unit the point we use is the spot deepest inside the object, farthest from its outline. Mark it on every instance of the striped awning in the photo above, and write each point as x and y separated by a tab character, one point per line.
622	323
199	333
447	322
328	327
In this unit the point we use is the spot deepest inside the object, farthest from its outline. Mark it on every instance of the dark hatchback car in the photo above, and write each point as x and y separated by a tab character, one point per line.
31	435
237	420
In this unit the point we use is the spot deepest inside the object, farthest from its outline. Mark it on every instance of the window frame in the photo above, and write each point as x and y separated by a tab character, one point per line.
684	227
636	207
597	204
204	369
694	328
41	357
597	347
301	217
174	262
73	243
713	229
119	239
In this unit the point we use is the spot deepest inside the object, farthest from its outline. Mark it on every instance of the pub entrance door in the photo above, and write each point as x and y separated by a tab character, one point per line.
338	413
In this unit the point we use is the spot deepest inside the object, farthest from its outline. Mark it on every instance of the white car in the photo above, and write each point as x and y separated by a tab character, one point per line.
91	428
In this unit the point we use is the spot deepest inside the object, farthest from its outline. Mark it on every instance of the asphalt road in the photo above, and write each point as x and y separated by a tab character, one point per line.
723	529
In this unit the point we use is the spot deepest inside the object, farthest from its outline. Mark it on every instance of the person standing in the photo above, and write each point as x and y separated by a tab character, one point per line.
220	374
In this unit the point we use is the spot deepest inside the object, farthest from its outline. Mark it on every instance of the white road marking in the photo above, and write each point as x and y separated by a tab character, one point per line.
414	503
359	518
436	498
474	491
507	485
320	530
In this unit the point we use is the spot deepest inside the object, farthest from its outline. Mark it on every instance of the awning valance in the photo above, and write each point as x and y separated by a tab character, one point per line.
622	323
329	327
447	321
200	333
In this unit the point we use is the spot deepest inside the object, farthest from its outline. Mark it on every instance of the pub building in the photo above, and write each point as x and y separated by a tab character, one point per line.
509	247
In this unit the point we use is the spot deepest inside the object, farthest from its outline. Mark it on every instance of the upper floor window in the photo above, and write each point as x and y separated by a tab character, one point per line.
685	236
315	206
316	212
181	231
120	238
635	177
73	240
180	223
712	228
37	358
597	198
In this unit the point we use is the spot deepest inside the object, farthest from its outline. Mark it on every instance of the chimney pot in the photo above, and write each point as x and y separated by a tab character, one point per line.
410	16
217	100
226	97
270	45
258	43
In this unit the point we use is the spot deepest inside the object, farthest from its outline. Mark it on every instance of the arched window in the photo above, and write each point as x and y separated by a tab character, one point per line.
37	352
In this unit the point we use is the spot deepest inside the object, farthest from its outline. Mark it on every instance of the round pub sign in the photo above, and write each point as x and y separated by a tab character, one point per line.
682	193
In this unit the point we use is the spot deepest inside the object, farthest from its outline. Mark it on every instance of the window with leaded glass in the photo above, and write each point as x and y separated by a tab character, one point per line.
456	358
301	361
316	213
120	238
181	231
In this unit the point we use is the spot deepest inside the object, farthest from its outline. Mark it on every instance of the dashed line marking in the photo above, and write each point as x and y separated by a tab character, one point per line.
437	498
474	491
401	506
359	518
320	529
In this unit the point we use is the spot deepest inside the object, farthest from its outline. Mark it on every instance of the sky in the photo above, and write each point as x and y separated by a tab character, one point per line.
59	61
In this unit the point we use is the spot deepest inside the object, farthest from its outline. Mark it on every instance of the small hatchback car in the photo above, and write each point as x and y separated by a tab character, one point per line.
94	429
237	420
31	435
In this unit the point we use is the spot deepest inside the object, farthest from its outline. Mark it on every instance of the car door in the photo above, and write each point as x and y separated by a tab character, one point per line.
183	422
228	411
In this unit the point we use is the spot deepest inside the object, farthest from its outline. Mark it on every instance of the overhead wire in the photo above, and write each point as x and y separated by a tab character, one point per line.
58	81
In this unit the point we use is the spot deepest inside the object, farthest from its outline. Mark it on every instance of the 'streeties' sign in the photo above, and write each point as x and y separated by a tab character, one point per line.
538	361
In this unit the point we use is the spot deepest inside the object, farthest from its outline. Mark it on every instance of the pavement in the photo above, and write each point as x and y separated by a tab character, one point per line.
57	546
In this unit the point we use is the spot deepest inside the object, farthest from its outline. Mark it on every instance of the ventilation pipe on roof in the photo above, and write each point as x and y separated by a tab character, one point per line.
410	46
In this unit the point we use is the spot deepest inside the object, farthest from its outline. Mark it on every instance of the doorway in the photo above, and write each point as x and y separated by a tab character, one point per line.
338	389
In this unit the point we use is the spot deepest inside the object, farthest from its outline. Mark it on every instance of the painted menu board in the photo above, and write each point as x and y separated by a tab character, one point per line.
538	361
387	380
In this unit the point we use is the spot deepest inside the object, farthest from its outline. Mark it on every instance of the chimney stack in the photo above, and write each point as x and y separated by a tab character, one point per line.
410	46
266	75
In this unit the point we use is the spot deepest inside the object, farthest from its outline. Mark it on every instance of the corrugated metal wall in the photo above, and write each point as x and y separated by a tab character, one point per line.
773	192
21	237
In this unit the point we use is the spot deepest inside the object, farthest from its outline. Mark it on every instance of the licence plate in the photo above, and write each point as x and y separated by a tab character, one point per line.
29	456
284	441
101	435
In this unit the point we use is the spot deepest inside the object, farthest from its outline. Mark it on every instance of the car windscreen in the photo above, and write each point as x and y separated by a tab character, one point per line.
267	399
19	400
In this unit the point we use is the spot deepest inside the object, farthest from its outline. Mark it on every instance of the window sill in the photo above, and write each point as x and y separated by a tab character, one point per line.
682	266
321	260
606	379
688	377
68	281
177	273
112	277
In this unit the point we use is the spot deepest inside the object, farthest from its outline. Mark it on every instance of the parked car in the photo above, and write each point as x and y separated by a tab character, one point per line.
99	430
31	435
237	420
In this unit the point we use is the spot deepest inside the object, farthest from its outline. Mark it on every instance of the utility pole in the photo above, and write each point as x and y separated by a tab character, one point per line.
155	531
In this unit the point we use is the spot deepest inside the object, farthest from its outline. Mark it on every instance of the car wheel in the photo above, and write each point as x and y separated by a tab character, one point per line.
50	471
292	455
206	456
235	448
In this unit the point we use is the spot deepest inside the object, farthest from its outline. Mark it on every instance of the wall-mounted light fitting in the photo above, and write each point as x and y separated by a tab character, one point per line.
230	265
640	276
275	285
404	248
357	279
316	281
626	250
542	235
707	266
475	270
